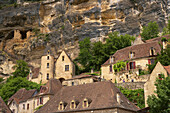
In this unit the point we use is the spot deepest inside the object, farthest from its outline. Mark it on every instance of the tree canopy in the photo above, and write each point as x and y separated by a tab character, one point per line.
21	69
161	102
14	84
150	31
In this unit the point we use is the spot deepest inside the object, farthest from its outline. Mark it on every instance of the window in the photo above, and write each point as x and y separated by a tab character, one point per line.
131	54
47	65
62	58
13	103
66	67
151	61
111	59
23	106
48	52
72	105
111	70
13	111
160	76
41	100
48	57
72	83
47	76
27	106
30	74
152	51
132	65
85	103
62	105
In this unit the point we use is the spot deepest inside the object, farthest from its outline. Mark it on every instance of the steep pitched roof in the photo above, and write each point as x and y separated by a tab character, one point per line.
22	95
141	50
4	107
66	55
167	68
158	39
35	73
52	86
101	94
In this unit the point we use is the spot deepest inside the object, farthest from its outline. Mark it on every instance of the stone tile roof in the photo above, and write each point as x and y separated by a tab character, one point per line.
141	50
52	86
35	73
102	95
22	95
3	107
167	68
158	39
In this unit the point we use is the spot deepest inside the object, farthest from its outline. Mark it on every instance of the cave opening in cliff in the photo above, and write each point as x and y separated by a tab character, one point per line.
23	34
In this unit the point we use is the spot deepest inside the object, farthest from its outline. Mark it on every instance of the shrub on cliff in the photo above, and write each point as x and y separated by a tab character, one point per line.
150	31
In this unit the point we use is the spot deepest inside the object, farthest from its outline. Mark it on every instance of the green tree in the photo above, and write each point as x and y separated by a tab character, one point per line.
85	54
97	55
161	102
116	42
166	30
21	69
119	66
14	84
135	96
150	31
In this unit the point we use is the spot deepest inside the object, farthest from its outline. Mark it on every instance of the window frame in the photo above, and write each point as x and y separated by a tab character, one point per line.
48	65
66	68
48	75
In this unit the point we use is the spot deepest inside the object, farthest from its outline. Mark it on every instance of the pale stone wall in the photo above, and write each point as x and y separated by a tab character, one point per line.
149	86
60	67
77	81
106	74
45	100
13	106
132	85
44	70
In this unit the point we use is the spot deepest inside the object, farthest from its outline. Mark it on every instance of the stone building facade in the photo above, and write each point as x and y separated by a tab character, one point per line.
149	86
139	55
61	68
99	97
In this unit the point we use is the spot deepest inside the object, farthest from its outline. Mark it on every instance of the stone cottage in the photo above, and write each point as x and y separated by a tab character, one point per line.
149	86
3	107
99	97
139	55
61	68
19	103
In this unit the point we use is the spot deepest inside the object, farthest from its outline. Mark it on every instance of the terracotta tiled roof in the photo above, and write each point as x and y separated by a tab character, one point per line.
101	94
167	68
158	39
52	86
141	50
22	95
4	107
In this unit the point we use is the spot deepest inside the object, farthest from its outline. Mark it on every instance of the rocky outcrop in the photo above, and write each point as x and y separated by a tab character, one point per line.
68	21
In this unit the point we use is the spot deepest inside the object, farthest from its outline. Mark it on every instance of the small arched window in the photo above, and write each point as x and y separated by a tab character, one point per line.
62	105
86	102
73	104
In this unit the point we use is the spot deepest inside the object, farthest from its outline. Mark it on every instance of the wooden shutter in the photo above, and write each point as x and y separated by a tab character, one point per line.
127	65
134	66
149	61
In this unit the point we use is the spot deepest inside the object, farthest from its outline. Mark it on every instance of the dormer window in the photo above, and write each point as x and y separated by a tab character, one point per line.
73	104
131	54
152	51
118	97
111	59
62	105
86	102
30	74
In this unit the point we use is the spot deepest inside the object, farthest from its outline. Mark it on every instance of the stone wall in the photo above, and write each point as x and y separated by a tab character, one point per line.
132	85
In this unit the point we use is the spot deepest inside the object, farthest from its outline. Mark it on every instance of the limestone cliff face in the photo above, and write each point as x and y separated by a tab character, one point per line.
68	21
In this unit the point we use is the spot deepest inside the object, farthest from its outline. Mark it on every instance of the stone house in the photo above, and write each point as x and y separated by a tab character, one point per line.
139	55
99	97
3	107
149	86
24	101
46	93
61	68
81	79
18	102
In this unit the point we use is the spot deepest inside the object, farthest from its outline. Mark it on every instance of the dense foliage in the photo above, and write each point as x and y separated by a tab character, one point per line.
93	55
21	69
166	30
14	84
119	66
161	102
150	31
135	96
